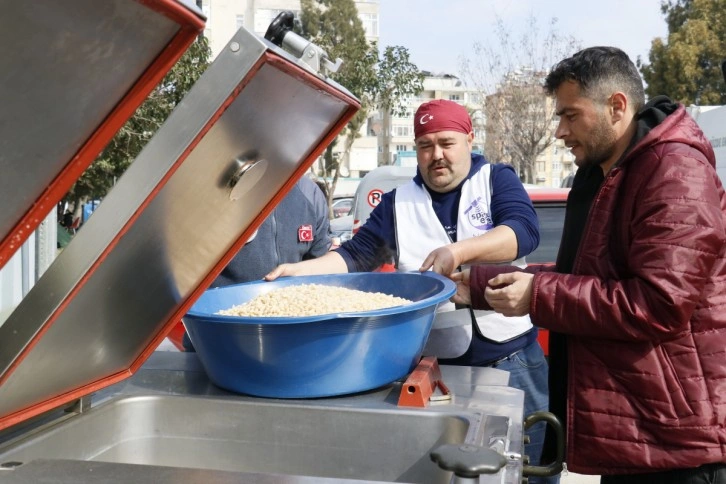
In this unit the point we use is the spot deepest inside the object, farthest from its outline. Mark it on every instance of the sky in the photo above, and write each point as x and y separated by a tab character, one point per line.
437	33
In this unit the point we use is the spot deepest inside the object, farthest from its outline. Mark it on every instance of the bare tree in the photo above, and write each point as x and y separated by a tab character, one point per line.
508	74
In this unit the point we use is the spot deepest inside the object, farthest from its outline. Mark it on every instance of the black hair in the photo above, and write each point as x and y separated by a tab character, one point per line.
600	71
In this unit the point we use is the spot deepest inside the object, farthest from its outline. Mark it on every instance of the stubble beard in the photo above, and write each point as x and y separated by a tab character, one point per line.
602	145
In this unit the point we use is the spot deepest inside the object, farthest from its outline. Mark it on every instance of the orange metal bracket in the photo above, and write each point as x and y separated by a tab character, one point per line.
418	389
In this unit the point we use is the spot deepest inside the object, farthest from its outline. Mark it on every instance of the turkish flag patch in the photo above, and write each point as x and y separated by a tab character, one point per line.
305	233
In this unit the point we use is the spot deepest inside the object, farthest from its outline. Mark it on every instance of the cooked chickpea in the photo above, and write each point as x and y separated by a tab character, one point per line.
313	300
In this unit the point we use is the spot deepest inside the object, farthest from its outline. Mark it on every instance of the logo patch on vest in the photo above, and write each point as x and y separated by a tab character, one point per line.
478	216
305	233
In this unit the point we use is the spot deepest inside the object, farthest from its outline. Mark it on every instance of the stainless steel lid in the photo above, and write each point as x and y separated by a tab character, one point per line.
248	129
71	73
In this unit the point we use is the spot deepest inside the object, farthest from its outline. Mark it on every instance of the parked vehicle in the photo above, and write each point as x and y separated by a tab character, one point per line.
567	181
712	120
549	203
342	206
341	229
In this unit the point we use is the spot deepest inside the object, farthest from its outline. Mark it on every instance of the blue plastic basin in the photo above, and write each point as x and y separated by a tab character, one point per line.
316	356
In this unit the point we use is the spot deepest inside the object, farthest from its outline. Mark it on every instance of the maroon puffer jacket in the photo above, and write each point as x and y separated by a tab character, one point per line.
645	311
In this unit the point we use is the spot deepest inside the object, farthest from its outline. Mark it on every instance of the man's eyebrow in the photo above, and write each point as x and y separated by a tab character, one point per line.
446	139
563	110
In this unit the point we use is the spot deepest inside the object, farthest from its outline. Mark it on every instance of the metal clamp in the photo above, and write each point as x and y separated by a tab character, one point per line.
419	387
280	33
80	405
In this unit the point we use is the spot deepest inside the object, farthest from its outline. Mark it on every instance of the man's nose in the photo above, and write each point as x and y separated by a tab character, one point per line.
438	152
561	130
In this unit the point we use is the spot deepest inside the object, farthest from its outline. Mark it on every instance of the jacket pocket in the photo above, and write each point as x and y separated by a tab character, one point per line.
646	381
676	392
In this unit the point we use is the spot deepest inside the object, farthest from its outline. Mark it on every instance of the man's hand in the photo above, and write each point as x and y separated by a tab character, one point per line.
283	270
443	260
330	263
463	290
510	293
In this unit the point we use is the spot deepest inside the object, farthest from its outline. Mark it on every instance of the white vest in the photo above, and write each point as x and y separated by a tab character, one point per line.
418	232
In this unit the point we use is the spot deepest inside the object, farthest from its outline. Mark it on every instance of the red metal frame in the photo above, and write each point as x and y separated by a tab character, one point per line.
190	27
269	59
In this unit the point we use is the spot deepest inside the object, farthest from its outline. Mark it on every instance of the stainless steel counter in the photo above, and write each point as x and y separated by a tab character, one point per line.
169	423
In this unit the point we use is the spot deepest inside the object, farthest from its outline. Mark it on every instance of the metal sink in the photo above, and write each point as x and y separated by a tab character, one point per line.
230	435
172	417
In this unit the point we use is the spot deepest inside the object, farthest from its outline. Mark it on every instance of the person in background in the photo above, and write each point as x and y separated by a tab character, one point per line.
457	210
67	220
636	302
297	229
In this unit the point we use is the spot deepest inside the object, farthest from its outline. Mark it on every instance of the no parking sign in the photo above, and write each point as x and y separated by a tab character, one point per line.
374	197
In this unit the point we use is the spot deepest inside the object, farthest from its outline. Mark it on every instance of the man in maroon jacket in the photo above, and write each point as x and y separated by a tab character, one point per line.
637	299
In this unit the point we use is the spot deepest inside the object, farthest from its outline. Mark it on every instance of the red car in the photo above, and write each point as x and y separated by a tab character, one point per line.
549	203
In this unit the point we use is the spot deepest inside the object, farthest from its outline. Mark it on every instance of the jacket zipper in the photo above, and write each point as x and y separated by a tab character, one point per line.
570	357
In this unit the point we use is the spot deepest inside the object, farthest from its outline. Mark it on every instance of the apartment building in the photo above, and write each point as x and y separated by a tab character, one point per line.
555	162
554	165
519	105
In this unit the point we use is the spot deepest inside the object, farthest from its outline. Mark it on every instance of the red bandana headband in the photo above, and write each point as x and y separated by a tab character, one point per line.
441	115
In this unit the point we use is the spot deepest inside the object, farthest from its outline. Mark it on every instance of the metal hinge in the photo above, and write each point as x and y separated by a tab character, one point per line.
79	406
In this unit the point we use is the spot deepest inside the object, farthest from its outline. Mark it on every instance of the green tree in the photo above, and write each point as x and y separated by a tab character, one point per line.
687	66
380	80
121	151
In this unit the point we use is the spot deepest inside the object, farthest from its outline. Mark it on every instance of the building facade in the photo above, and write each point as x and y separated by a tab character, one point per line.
521	124
554	164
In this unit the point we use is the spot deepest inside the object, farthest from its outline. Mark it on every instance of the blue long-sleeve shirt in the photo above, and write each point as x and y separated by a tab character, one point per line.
375	241
510	206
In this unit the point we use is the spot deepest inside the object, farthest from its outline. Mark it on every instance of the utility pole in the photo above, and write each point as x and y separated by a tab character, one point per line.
199	5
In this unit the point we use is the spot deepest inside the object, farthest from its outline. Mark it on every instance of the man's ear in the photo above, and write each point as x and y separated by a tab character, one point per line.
618	106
